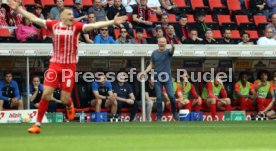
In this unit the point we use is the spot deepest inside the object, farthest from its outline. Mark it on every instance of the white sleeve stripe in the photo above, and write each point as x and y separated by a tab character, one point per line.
83	27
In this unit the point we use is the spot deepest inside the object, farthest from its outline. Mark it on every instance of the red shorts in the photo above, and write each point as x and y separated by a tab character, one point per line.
60	74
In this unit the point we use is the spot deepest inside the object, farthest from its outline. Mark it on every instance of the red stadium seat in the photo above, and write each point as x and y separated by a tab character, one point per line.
197	4
153	18
224	19
28	2
242	19
247	5
87	3
209	19
236	34
47	3
217	34
253	34
68	3
180	3
191	18
172	18
260	20
117	33
215	4
234	5
4	32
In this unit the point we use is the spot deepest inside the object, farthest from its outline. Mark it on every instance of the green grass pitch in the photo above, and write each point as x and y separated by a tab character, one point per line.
173	136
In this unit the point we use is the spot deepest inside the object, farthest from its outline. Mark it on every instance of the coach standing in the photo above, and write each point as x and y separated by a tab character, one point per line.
161	60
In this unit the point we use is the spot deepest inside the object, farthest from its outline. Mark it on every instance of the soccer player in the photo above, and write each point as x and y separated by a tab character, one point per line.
262	87
103	95
211	96
244	92
161	60
269	111
9	93
188	89
65	42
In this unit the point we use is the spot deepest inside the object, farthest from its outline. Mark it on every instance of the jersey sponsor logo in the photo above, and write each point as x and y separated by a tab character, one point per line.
63	32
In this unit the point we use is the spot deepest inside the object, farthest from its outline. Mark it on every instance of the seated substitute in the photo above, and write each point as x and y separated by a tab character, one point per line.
9	93
103	95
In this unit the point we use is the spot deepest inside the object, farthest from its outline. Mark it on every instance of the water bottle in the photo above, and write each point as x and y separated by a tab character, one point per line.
82	117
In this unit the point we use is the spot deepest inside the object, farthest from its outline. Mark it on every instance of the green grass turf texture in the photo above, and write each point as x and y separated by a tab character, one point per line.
171	136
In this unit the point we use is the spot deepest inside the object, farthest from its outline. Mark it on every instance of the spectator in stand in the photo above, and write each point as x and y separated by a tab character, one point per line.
227	34
26	32
9	93
124	37
124	96
271	6
129	4
16	18
155	7
139	36
214	95
3	16
118	8
273	24
244	92
193	38
158	33
38	11
259	7
209	37
150	99
79	14
55	11
246	39
103	96
164	24
262	88
200	25
171	37
182	28
141	15
103	37
98	11
268	39
89	37
170	7
270	109
188	90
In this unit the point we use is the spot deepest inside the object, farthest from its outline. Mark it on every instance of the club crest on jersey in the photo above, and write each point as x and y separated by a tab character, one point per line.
63	32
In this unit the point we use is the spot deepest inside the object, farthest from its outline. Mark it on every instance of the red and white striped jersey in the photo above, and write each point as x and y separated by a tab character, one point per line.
18	17
65	41
3	17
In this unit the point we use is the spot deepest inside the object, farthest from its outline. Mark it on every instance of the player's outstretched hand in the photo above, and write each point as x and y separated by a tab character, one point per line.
119	20
13	4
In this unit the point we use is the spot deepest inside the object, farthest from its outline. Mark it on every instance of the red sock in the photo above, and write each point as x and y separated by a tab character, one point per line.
197	107
228	107
42	108
243	104
213	111
260	103
69	103
188	106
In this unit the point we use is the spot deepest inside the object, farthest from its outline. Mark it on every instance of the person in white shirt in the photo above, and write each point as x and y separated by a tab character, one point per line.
128	5
268	39
155	6
246	40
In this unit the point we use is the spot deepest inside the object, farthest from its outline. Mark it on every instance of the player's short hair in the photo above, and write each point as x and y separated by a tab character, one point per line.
7	72
261	72
242	74
64	8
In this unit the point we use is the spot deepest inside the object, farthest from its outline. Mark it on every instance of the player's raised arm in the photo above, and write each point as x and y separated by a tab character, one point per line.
117	20
15	5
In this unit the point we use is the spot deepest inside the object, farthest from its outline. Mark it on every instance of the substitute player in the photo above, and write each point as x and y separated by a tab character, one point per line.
188	89
65	55
244	92
211	96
